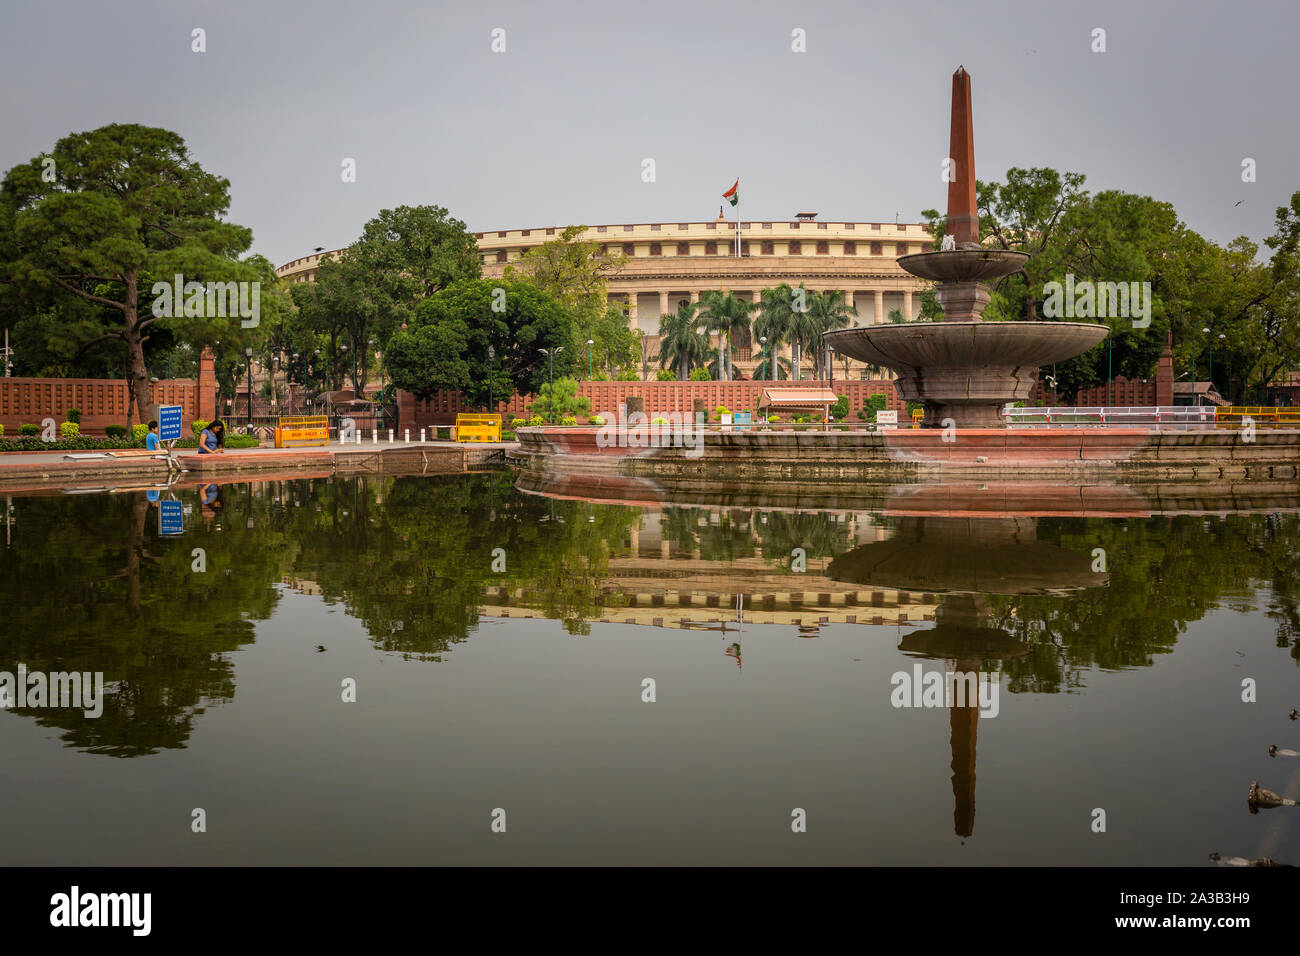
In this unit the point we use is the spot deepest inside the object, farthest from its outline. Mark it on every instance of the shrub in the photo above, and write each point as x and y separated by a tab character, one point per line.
138	431
197	427
773	418
29	429
841	407
568	420
69	429
660	420
2	430
596	420
627	375
665	375
536	420
701	375
518	422
722	410
74	415
116	431
876	402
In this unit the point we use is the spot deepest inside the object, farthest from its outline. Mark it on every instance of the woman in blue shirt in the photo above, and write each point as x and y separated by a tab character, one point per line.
213	439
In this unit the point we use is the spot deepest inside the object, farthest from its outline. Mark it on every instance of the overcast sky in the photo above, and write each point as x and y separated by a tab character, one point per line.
554	130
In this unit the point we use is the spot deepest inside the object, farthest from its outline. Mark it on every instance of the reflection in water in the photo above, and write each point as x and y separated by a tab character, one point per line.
965	560
89	584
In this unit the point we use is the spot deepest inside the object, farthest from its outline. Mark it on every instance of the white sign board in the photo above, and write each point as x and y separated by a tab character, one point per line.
887	418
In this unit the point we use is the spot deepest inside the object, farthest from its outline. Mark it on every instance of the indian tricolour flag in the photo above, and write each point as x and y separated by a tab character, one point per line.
732	195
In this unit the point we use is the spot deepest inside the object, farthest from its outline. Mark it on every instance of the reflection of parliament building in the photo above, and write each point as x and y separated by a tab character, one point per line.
662	585
673	262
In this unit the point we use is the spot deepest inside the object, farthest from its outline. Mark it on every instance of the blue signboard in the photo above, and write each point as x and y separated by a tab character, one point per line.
169	422
742	419
171	519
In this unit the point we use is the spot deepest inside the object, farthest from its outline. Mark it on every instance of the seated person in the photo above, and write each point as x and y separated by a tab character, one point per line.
151	440
212	439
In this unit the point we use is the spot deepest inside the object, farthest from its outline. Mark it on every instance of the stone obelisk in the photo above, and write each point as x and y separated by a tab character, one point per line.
963	216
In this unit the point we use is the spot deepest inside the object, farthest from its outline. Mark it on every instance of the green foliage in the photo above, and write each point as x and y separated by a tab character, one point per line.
516	321
75	443
430	358
568	420
665	375
567	400
138	431
536	420
29	429
518	422
729	316
701	375
596	420
74	415
198	426
117	431
69	430
127	206
876	402
841	407
627	375
683	343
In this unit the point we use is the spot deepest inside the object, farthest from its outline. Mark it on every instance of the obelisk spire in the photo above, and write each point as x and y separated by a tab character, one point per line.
963	217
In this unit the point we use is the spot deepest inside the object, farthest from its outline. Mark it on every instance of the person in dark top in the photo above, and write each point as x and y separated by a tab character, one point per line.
212	440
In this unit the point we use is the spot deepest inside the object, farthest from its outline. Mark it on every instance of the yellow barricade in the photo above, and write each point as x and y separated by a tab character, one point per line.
1276	416
478	427
301	431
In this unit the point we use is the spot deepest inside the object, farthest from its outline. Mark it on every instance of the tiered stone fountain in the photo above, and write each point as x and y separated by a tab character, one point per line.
965	369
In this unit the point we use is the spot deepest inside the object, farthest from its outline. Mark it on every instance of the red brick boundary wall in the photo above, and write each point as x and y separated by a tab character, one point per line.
102	401
660	398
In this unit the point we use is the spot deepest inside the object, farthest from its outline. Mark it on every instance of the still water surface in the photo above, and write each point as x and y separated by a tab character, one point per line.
500	643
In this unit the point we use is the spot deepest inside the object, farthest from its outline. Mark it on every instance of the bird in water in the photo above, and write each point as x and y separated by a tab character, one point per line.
1294	715
1273	751
320	648
1259	798
1242	861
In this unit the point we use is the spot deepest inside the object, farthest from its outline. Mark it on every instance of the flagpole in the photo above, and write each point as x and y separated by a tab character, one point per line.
737	217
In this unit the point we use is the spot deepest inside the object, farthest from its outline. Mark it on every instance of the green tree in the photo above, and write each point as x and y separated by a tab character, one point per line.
514	319
683	343
567	401
122	207
729	316
826	311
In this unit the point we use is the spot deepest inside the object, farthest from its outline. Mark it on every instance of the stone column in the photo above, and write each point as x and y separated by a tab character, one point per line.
848	298
631	309
880	306
695	296
663	303
907	305
207	386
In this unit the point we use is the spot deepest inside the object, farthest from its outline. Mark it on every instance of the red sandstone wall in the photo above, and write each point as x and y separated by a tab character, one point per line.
102	401
1123	392
660	398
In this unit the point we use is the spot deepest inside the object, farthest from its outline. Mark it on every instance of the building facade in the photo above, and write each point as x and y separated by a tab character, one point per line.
669	263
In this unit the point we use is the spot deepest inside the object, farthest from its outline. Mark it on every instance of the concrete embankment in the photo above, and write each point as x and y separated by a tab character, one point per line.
1137	456
35	471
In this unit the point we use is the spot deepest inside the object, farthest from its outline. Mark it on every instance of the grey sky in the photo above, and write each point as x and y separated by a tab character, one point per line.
554	130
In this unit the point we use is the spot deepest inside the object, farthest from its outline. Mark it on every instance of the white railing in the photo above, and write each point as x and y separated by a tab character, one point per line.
1164	416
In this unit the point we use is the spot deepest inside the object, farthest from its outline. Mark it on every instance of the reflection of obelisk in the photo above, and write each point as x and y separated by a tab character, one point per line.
965	560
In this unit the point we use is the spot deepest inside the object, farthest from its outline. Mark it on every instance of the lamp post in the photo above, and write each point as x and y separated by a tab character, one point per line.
492	358
762	353
1206	330
248	354
591	368
550	357
1228	383
344	348
1110	355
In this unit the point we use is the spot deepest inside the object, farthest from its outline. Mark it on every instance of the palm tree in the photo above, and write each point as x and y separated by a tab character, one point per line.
775	321
802	328
826	311
727	315
683	344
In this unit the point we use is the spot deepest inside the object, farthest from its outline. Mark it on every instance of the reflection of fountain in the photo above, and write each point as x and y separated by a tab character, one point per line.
962	368
966	560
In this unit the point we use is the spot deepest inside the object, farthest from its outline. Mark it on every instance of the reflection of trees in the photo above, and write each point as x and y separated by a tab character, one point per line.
414	569
96	589
1164	573
815	532
739	532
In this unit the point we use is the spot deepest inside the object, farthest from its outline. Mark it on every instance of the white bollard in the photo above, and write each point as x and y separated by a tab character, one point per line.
358	436
421	436
390	434
408	436
374	436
